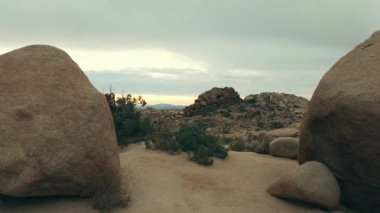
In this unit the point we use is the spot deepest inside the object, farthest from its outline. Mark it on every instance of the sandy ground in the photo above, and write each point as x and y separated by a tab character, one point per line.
163	183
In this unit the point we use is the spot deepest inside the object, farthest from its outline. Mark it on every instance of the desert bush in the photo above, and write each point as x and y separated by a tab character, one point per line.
264	140
128	120
160	137
202	156
238	146
109	195
191	138
218	151
165	140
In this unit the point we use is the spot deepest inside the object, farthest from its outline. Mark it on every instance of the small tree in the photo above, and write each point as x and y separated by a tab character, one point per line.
128	121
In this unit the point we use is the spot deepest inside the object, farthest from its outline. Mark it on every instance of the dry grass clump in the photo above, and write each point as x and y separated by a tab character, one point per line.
110	195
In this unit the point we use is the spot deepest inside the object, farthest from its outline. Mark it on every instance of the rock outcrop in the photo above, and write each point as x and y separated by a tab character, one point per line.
277	110
311	182
286	147
213	99
224	111
341	128
56	131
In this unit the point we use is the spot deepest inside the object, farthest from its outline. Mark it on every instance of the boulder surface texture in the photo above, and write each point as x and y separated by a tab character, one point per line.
342	126
56	131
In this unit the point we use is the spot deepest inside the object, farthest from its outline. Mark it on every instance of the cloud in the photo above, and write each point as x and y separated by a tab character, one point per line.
247	73
187	47
97	60
163	76
114	24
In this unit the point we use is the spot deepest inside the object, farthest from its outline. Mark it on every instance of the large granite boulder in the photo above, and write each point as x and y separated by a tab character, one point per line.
342	126
311	182
56	131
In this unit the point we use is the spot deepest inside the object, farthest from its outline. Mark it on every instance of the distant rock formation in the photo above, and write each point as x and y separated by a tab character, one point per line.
56	132
273	100
342	126
269	110
213	99
222	110
276	110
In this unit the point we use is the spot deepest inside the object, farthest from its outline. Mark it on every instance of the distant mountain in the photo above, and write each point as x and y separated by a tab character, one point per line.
164	106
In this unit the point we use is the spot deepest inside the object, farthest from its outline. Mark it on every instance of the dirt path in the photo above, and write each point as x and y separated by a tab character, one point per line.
162	183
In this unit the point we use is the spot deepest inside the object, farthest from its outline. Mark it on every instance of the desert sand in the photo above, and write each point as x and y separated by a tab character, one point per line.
163	183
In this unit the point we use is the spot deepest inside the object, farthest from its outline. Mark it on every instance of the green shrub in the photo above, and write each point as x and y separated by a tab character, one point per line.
128	121
219	151
170	145
191	138
238	146
202	156
165	140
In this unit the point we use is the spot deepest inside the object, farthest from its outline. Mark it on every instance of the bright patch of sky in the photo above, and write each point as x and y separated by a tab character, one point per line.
136	59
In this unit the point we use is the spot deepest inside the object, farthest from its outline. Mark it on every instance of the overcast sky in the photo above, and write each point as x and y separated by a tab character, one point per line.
170	51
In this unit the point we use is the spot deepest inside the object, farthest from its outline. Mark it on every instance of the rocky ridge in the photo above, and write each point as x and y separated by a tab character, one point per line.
225	112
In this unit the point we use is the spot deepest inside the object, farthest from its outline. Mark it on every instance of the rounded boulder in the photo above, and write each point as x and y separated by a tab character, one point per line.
56	132
311	182
341	128
284	147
